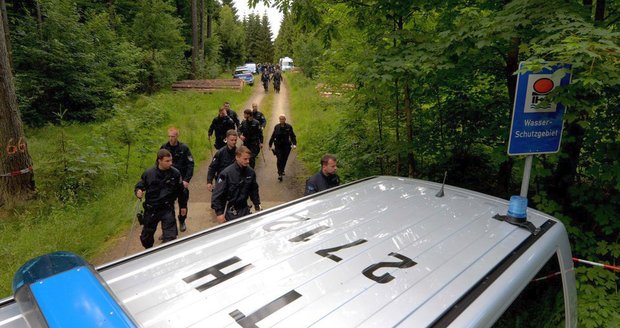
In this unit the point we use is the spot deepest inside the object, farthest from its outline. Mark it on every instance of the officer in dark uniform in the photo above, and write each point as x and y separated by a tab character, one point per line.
163	185
222	158
232	114
324	179
282	140
277	79
259	116
265	79
183	161
251	135
235	184
220	124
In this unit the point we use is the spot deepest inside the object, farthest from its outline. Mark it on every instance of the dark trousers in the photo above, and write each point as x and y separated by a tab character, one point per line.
255	149
152	217
234	213
282	157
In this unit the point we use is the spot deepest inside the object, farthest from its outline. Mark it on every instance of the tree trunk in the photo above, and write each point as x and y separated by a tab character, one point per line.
380	130
201	40
409	122
397	108
7	36
599	11
512	64
396	123
209	19
195	43
504	174
16	176
565	174
39	19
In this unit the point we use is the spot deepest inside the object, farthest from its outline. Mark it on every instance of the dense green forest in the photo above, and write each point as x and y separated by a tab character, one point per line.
426	87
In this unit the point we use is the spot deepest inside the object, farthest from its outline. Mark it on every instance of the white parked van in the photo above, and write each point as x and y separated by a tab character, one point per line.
380	252
286	64
251	67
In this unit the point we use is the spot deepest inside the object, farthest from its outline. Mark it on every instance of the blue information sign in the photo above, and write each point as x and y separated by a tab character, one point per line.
536	128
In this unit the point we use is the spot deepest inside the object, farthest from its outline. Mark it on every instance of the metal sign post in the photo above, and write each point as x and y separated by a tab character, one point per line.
537	128
527	170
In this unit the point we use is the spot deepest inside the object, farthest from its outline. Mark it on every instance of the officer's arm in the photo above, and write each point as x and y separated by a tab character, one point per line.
218	197
189	171
140	186
213	168
181	194
273	137
254	196
311	188
211	128
293	137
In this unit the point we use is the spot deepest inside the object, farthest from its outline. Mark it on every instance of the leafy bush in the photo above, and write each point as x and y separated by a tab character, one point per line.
71	63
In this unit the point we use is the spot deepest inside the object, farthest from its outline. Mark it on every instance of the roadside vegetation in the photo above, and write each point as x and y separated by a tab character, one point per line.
86	173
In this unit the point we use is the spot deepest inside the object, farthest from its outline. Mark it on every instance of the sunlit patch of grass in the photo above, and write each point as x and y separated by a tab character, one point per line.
315	119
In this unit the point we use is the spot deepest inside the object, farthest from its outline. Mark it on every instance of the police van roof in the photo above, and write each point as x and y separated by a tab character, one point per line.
383	251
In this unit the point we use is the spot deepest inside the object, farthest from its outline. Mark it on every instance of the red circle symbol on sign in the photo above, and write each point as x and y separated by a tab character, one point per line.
543	85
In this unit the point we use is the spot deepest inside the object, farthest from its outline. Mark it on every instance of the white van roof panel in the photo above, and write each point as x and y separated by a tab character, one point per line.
379	252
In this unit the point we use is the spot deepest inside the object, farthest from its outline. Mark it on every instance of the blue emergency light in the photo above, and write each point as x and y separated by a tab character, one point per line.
62	290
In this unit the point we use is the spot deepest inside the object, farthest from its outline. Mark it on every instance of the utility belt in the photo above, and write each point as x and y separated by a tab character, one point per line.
163	206
236	211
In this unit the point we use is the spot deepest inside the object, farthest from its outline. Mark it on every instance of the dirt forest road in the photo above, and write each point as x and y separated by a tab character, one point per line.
200	215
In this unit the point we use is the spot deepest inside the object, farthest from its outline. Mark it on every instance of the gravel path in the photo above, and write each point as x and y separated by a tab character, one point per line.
201	216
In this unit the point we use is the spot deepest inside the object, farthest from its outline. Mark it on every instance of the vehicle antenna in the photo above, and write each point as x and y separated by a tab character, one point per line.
440	192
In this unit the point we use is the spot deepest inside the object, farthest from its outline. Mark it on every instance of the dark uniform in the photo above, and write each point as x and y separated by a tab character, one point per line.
283	137
222	159
320	182
265	79
277	79
230	196
233	115
162	190
183	161
220	125
251	131
260	117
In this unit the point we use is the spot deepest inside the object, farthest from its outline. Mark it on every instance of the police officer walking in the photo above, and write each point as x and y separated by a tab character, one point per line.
251	135
162	184
183	161
324	179
282	140
220	124
223	158
259	116
277	79
265	80
234	185
232	114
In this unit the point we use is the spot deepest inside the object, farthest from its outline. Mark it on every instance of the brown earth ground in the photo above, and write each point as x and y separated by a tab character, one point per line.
200	215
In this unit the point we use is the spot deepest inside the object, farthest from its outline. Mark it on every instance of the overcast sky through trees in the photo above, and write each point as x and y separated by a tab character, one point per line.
275	17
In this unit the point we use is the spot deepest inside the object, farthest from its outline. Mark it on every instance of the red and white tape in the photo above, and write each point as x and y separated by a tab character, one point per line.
606	266
16	173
